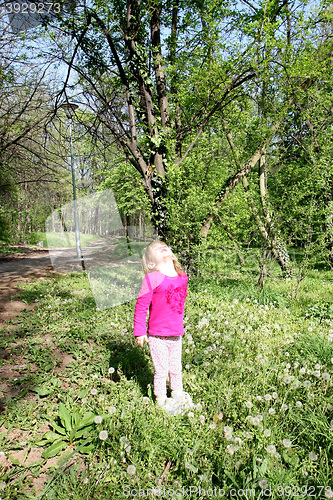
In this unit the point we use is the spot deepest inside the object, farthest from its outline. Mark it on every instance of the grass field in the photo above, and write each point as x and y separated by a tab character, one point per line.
257	363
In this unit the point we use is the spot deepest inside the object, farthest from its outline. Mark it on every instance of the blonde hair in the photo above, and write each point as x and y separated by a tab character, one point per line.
148	258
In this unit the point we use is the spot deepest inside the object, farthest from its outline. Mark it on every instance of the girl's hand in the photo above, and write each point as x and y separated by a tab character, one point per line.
141	340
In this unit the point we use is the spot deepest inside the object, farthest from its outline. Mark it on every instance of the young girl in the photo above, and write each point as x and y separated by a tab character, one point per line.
163	291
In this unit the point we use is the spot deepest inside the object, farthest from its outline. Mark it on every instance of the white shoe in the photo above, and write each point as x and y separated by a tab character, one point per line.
183	399
169	405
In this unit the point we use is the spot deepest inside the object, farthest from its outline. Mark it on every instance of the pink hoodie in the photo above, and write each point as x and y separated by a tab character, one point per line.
165	297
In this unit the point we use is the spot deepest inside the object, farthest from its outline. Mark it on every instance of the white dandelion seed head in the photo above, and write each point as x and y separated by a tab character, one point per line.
131	470
112	409
93	392
271	449
190	414
98	419
284	407
328	492
111	370
299	404
202	419
267	432
263	483
286	443
271	411
248	404
123	439
259	398
326	376
268	397
275	395
103	435
312	456
212	425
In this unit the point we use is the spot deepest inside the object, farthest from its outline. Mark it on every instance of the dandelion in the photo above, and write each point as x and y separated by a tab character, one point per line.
111	370
103	435
145	400
131	470
255	421
123	439
299	404
271	411
190	414
85	480
316	373
313	456
127	448
267	432
328	492
307	383
288	379
302	371
187	367
112	409
202	419
98	419
286	354
286	443
83	401
248	404
198	406
212	425
326	376
268	397
93	392
259	398
219	415
263	484
95	376
271	449
275	395
309	329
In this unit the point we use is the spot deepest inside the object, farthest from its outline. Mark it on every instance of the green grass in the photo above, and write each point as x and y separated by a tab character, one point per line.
257	356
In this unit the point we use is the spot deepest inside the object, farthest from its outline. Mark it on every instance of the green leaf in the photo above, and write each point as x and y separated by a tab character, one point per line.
88	419
65	417
80	433
51	436
54	449
88	448
57	428
81	394
41	390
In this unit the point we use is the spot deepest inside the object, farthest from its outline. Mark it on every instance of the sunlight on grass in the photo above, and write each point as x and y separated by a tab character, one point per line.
257	364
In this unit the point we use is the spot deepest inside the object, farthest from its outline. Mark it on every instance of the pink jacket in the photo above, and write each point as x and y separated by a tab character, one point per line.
165	298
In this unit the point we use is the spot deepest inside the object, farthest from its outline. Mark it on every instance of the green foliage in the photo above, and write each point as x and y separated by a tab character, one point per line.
73	427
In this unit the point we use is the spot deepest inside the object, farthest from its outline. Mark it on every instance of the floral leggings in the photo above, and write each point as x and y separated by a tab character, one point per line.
166	353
